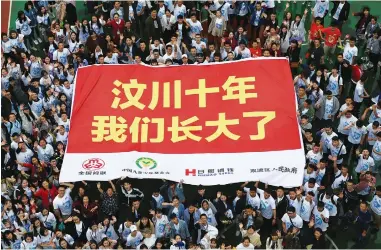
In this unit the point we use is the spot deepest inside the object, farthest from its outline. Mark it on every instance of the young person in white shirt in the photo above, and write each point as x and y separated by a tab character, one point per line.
311	186
345	120
341	176
291	220
252	198
245	244
195	26
306	204
326	139
365	162
267	209
331	204
372	129
337	150
309	172
315	155
320	216
359	94
375	206
335	83
356	136
350	51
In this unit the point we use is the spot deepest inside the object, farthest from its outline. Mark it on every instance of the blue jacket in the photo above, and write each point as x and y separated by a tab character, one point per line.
32	15
253	17
181	211
179	191
196	216
183	230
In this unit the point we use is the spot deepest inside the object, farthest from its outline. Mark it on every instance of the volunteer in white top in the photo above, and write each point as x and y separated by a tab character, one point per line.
375	206
335	83
350	51
376	153
291	219
321	216
365	162
337	150
314	156
252	198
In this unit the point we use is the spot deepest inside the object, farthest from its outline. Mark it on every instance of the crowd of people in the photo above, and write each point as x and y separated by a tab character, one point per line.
339	118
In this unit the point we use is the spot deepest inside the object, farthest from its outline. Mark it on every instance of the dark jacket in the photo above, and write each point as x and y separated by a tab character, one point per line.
184	31
319	244
345	72
243	218
281	207
70	229
150	31
240	205
343	16
363	19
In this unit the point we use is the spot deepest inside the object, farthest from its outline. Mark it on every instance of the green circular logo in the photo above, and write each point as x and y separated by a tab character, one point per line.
146	163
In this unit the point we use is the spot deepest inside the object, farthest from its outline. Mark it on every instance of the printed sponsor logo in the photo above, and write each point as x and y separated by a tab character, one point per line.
146	163
93	164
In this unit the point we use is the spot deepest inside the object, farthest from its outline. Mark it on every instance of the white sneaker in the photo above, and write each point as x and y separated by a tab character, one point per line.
39	39
35	42
34	48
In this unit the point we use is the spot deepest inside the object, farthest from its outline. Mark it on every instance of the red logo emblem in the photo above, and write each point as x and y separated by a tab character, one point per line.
191	172
93	164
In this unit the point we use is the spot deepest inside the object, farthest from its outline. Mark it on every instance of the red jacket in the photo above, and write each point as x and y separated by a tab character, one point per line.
44	194
115	28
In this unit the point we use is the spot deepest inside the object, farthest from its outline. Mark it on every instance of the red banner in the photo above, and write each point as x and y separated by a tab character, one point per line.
244	106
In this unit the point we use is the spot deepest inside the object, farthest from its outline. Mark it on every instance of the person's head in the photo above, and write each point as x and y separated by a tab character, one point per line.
242	45
153	14
350	185
280	192
366	10
184	58
348	114
317	20
29	237
328	94
177	238
266	53
239	192
318	233
302	91
218	13
230	55
298	17
213	243
291	212
320	206
317	43
352	41
359	123
335	141
205	205
267	193
311	182
174	219
340	57
246	242
136	204
61	191
363	206
203	219
63	244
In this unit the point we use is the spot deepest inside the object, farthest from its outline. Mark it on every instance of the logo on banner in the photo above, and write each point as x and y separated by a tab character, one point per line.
146	163
209	172
93	164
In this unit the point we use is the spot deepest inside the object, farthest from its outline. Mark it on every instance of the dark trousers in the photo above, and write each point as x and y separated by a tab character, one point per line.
266	228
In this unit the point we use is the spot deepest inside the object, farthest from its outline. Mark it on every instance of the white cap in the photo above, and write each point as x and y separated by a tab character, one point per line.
184	55
133	228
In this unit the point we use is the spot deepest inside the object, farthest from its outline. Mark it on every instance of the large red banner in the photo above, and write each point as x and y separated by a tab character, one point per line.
221	108
221	123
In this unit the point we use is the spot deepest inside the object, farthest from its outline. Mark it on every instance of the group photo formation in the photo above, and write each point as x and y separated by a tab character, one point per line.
209	124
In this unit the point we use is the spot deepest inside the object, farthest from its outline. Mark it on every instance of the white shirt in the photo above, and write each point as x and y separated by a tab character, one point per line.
355	134
331	207
375	205
328	109
112	60
333	84
134	241
267	205
255	202
313	190
314	158
364	164
371	134
64	204
349	53
337	151
24	157
373	117
339	180
359	91
44	154
320	8
179	10
307	176
327	140
61	56
319	222
306	209
344	121
245	53
296	222
199	46
195	27
241	246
